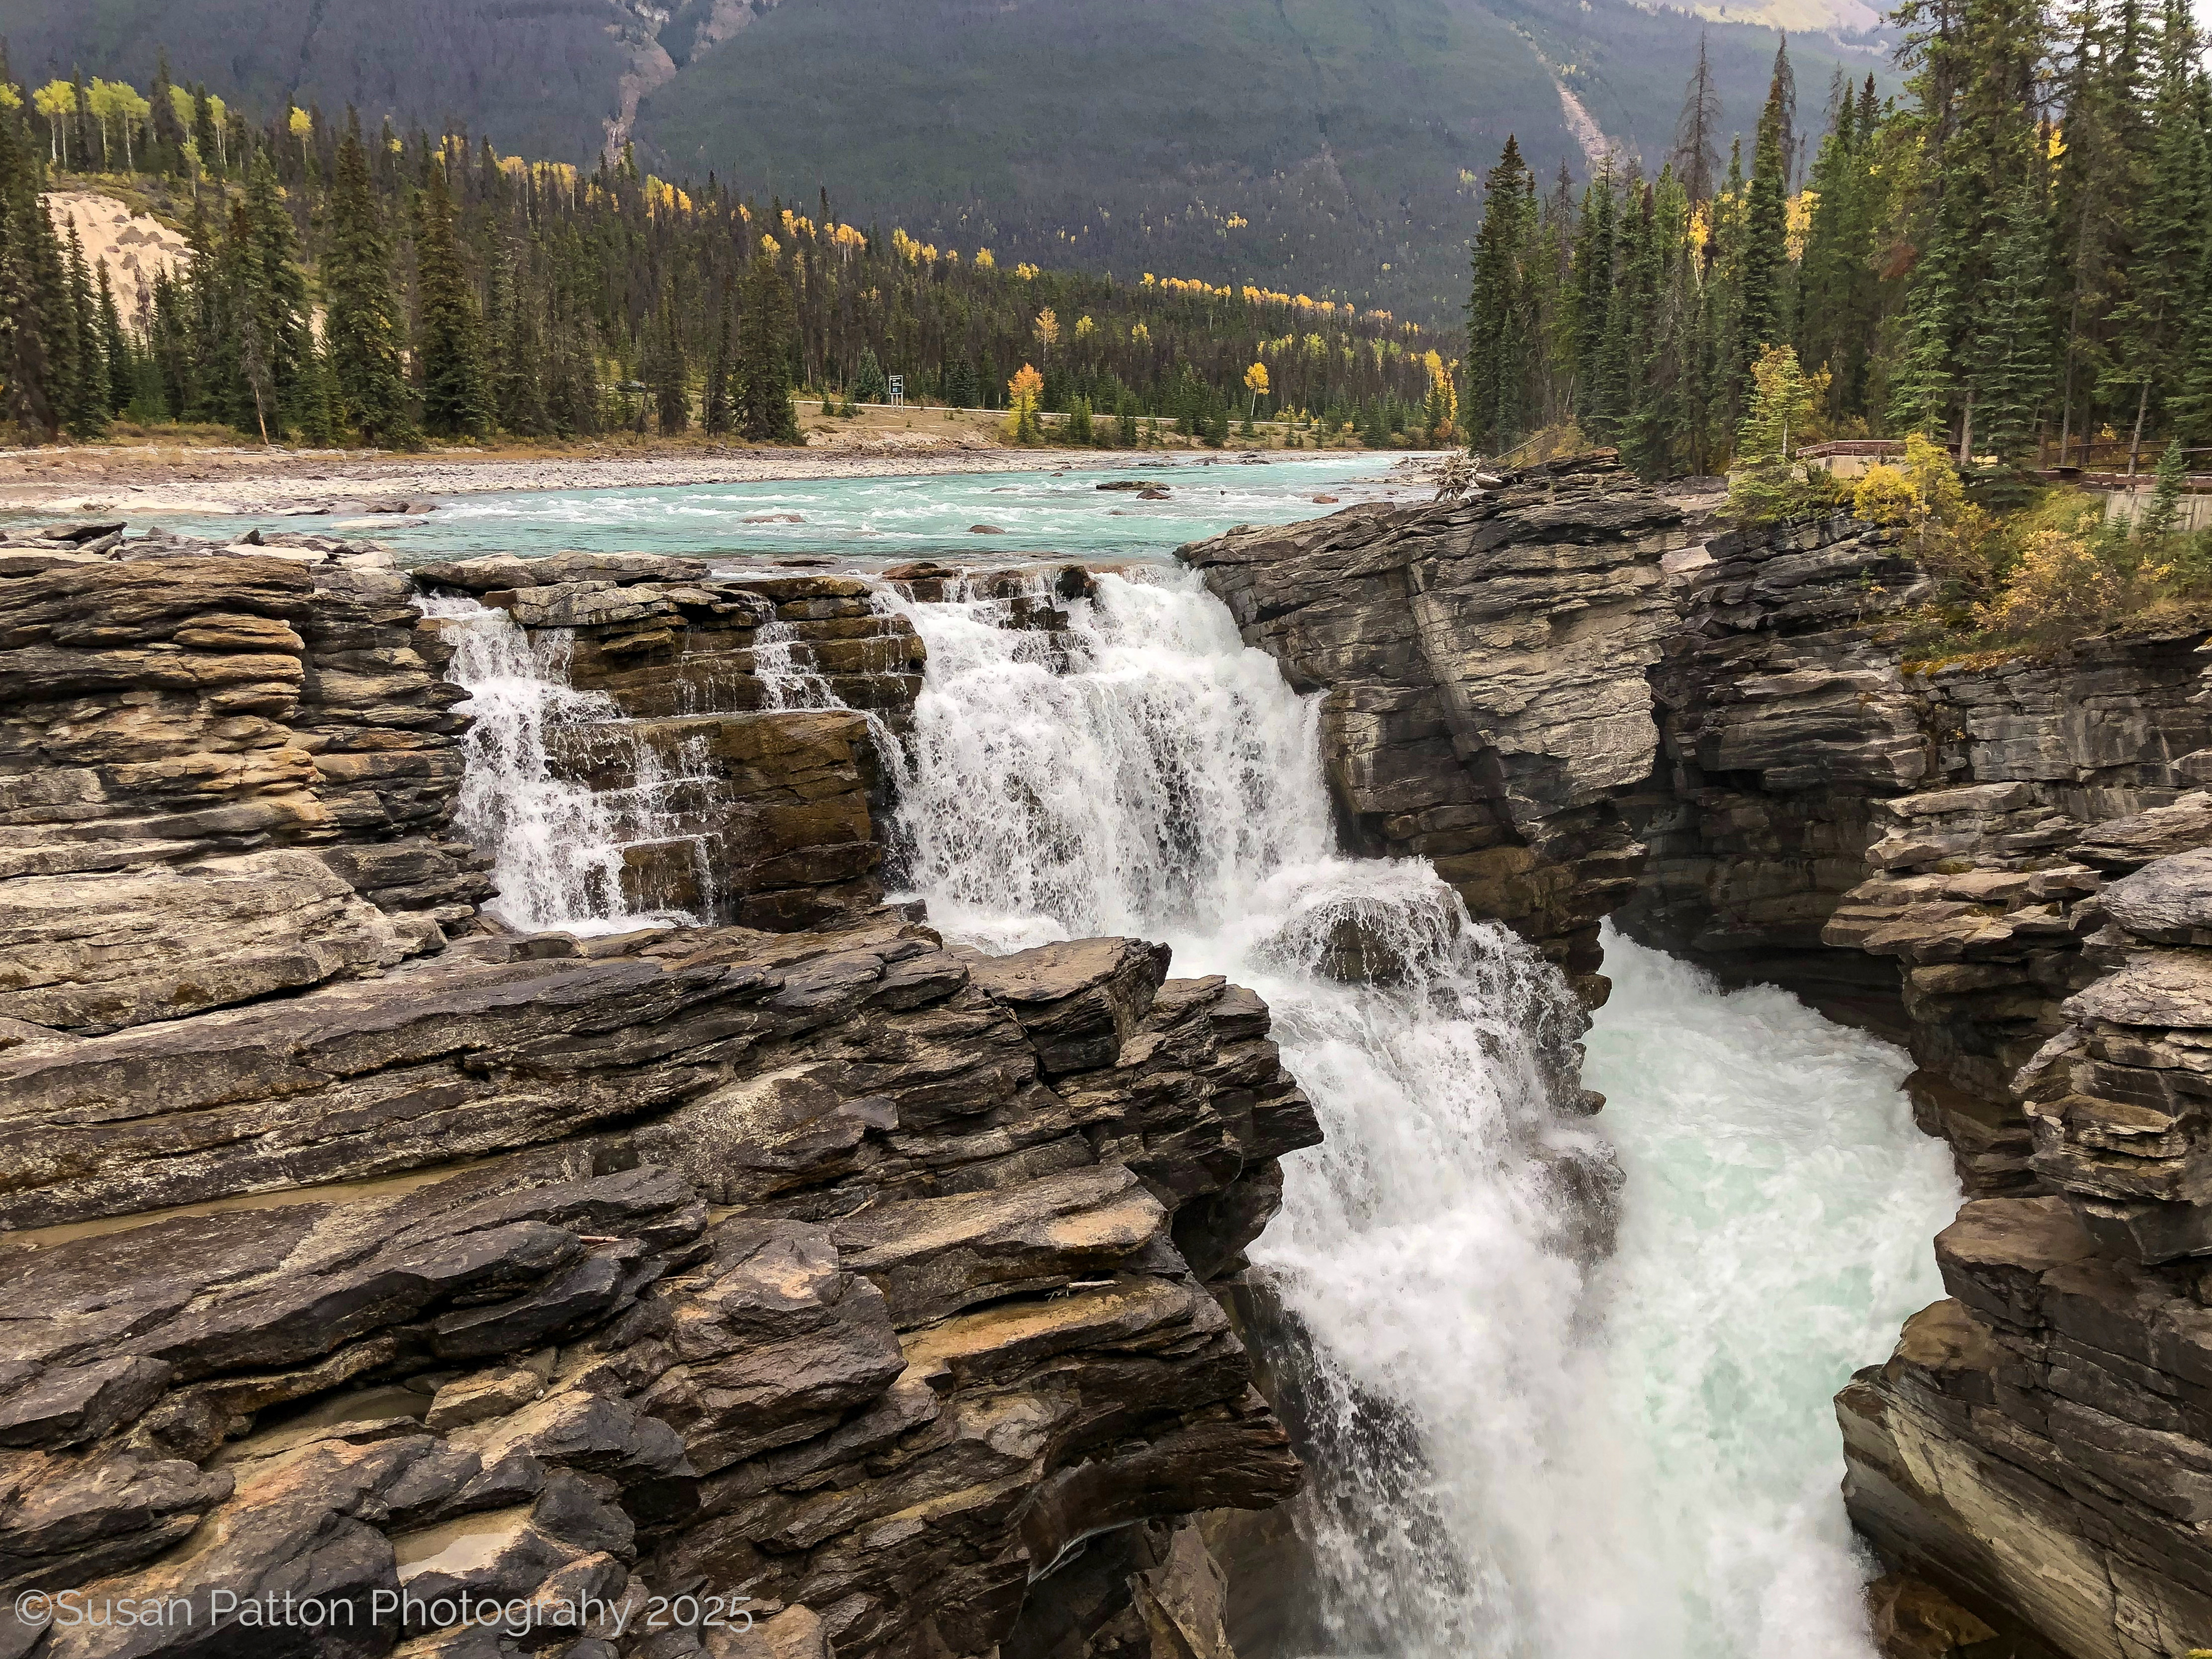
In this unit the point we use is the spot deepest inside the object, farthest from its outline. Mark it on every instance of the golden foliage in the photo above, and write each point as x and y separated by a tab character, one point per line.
1256	379
2065	582
1047	329
1024	392
1948	536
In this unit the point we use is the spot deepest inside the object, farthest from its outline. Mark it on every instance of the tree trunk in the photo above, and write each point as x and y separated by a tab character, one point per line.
2134	443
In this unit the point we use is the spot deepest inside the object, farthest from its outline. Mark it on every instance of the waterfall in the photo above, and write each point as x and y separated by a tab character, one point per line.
1518	1445
558	847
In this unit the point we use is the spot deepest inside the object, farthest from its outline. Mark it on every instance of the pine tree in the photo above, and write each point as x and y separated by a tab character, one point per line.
361	324
1590	303
868	383
2163	515
1499	344
456	399
2153	322
1838	299
1762	314
207	144
1696	157
84	394
2009	355
279	320
511	326
671	400
764	411
31	287
716	415
115	347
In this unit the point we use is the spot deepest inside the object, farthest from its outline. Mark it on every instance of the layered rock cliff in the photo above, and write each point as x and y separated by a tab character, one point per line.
1999	862
367	1255
1483	664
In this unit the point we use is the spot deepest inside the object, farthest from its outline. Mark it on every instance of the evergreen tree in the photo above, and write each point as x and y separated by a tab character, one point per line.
2163	516
1696	160
168	147
2153	322
716	415
869	385
1838	299
207	144
2009	355
1498	343
278	316
456	399
763	398
84	393
361	323
115	347
1589	305
1761	309
31	289
667	375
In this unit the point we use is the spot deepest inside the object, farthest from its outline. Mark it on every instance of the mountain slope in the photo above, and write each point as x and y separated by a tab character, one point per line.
1134	134
1327	146
542	75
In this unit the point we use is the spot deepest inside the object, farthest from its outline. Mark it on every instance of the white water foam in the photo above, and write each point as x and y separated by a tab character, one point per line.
1517	1450
558	848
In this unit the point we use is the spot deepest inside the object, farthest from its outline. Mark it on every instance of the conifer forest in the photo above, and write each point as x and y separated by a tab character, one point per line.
2014	259
353	283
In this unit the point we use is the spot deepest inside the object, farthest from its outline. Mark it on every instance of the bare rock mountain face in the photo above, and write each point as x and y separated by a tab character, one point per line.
1484	662
365	1252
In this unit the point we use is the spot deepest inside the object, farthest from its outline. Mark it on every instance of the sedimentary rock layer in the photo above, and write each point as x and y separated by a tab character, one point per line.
1484	665
360	1250
1993	860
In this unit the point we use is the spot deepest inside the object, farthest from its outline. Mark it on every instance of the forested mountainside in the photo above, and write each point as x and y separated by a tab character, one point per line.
463	291
1304	144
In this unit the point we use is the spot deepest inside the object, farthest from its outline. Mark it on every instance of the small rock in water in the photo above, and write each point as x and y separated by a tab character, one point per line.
1153	493
985	530
1124	483
1325	500
776	518
803	563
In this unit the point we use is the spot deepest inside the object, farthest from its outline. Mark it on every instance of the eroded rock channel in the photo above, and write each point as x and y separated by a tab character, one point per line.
475	1128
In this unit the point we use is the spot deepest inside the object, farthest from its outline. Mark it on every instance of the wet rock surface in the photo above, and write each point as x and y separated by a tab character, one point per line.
1484	663
368	1254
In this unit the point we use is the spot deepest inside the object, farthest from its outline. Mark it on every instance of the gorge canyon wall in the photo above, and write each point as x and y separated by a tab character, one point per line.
369	1252
371	1238
1584	699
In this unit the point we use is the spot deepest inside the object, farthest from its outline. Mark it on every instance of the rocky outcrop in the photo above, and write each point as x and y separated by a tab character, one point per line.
373	1257
662	637
2040	1441
1999	861
1994	861
1483	661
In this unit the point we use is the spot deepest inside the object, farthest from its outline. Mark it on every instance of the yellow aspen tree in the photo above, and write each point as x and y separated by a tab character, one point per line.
1255	382
1024	393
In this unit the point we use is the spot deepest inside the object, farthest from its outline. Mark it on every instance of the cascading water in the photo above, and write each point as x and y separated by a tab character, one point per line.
557	846
1519	1446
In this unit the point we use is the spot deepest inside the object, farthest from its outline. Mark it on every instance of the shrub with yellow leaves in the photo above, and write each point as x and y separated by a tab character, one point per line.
1948	536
